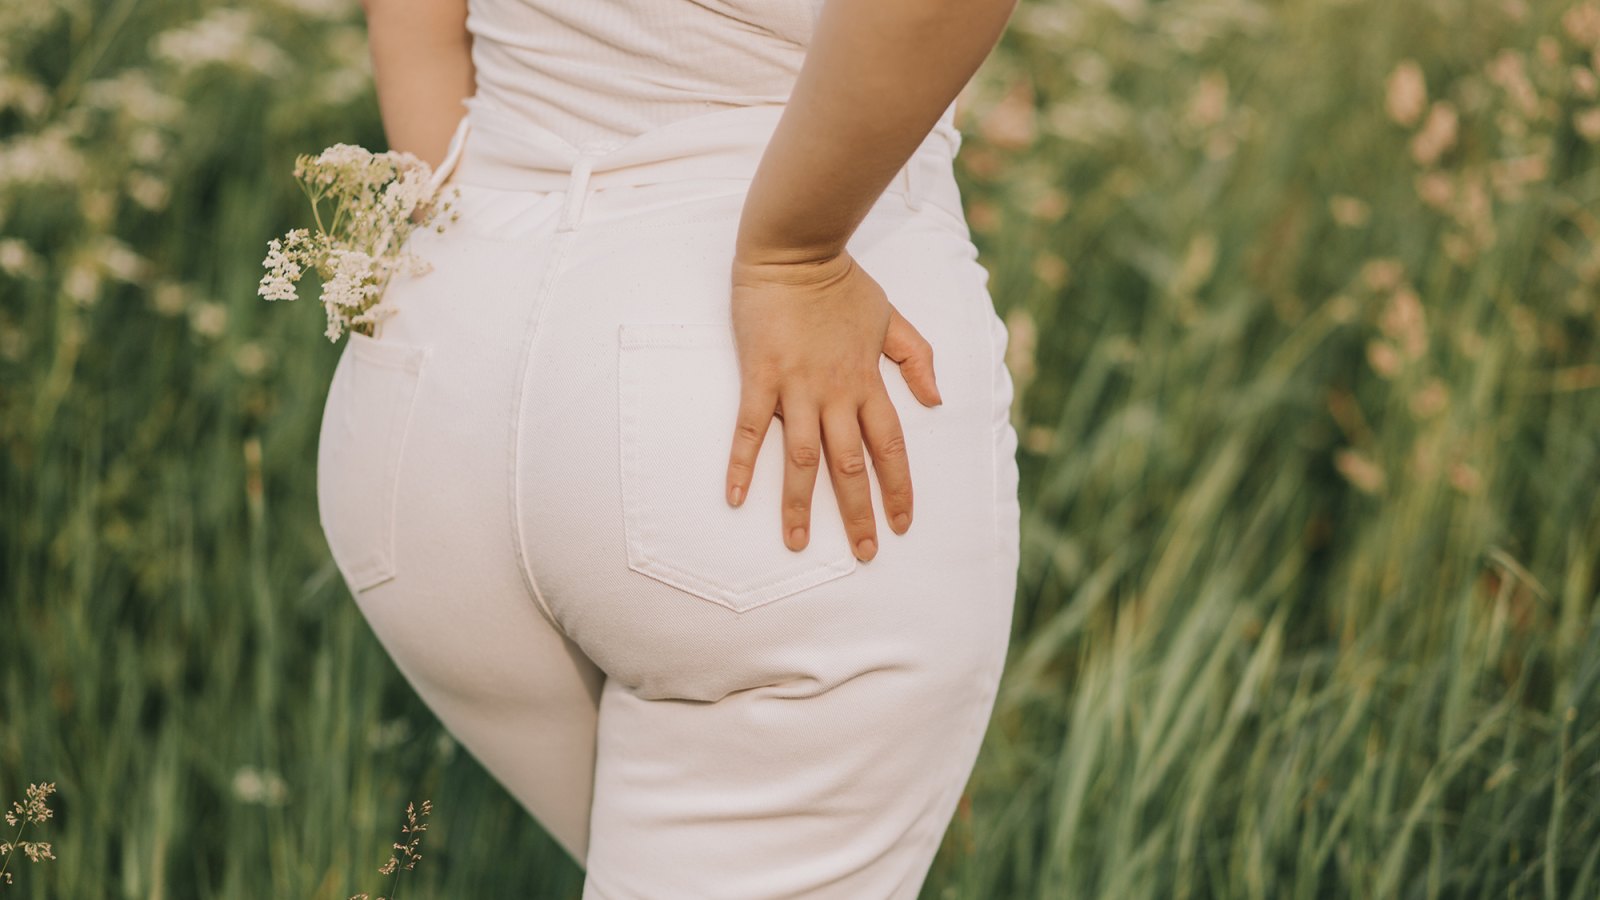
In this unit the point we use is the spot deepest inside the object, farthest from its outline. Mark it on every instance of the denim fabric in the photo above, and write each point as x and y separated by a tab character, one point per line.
521	481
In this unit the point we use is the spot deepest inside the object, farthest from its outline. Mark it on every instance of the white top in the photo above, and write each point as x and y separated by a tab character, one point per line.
597	72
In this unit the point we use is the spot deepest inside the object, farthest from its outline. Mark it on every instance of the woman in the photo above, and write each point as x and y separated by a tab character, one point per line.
553	481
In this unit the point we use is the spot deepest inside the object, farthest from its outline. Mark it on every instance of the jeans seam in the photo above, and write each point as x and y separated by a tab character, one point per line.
996	358
649	552
1002	505
514	444
401	437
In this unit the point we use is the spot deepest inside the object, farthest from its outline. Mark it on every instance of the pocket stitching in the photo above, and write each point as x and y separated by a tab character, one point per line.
379	565
638	532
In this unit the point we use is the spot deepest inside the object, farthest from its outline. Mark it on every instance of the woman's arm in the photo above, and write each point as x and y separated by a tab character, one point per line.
810	325
422	66
877	76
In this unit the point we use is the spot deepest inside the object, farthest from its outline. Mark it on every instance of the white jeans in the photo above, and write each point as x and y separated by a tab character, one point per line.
521	481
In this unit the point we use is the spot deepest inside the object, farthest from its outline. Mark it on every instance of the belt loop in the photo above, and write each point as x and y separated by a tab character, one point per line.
909	183
451	156
577	192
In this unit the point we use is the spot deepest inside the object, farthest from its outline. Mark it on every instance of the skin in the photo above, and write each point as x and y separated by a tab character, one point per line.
810	324
422	69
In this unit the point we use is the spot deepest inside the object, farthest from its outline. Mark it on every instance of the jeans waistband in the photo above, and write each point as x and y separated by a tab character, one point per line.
492	148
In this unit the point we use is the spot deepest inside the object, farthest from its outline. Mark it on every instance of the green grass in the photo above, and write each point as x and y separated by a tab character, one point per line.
1307	605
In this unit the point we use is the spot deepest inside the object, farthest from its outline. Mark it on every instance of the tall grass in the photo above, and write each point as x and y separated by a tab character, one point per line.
1310	404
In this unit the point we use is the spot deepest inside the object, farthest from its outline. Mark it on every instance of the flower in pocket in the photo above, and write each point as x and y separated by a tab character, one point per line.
365	205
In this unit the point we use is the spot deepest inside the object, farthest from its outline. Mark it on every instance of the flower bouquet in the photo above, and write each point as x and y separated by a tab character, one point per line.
366	205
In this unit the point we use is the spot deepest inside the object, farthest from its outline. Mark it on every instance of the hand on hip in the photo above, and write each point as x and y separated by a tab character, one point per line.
809	337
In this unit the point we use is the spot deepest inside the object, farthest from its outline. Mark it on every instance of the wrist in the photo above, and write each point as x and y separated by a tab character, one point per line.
765	238
789	265
750	251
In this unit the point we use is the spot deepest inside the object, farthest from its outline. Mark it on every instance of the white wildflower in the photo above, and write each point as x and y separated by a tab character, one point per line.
82	283
13	343
23	94
19	20
251	359
252	785
17	258
40	157
322	9
132	93
347	168
98	207
208	318
341	156
283	267
353	281
119	261
1407	95
405	194
169	298
342	86
276	287
147	145
372	315
226	37
1437	135
412	265
148	191
377	200
1587	123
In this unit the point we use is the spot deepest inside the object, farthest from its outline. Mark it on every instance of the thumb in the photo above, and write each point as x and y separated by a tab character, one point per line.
906	346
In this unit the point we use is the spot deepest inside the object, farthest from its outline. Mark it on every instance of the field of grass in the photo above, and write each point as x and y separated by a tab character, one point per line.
1304	298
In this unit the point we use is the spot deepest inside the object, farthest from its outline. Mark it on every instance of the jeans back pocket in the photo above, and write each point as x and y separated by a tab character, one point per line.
678	392
364	426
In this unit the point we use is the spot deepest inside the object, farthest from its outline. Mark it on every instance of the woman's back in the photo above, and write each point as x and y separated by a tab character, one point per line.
602	71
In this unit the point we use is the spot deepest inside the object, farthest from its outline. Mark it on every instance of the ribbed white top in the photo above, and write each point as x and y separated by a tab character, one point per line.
597	72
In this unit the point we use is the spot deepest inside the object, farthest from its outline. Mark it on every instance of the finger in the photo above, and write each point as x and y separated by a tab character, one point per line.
756	402
906	346
802	445
885	440
847	465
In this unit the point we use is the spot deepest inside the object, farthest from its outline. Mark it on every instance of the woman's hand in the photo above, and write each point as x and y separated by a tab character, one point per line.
809	335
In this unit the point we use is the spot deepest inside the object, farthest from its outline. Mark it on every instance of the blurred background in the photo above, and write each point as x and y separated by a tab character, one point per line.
1304	302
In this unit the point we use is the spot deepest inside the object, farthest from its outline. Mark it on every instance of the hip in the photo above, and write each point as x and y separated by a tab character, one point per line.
571	394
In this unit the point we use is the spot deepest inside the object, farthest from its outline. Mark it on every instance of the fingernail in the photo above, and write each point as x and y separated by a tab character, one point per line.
901	520
736	495
866	548
797	538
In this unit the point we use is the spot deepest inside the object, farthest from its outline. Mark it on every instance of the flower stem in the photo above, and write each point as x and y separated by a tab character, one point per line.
13	848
